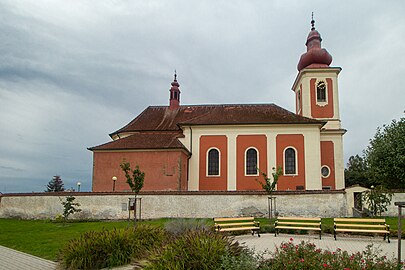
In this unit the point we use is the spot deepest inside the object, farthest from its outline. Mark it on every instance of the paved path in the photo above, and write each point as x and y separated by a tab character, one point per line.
350	244
12	260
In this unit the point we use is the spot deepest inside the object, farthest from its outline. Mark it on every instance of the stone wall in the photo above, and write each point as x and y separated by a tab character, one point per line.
176	204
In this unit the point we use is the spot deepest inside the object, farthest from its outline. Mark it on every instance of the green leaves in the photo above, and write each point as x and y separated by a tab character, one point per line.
384	159
135	178
378	199
70	207
269	185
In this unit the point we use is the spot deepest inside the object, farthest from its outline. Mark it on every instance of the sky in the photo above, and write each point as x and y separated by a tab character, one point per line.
72	72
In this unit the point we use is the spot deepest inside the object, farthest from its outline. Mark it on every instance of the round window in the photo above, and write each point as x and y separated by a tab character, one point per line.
325	171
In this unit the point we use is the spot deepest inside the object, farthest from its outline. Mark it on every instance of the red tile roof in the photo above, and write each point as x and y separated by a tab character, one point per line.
161	118
150	140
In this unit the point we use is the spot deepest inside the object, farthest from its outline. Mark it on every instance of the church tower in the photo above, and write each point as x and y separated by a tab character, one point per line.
316	96
174	101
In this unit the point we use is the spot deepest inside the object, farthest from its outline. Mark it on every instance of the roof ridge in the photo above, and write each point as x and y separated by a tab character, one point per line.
215	105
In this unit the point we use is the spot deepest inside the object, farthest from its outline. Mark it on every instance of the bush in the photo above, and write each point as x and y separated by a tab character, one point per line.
306	256
181	226
200	249
96	250
246	260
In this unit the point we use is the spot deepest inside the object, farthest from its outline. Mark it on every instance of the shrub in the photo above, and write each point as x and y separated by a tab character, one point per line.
306	256
199	249
181	226
108	248
246	260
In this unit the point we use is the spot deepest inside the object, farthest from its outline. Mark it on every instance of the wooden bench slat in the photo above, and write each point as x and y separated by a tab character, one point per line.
233	219
359	225
298	228
358	230
235	224
371	220
299	223
238	229
299	218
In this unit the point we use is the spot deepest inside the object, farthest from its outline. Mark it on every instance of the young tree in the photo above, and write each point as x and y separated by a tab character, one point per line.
357	172
69	207
269	185
55	185
377	199
135	180
385	155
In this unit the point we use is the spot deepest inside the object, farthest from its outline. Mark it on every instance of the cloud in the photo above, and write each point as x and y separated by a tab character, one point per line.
71	72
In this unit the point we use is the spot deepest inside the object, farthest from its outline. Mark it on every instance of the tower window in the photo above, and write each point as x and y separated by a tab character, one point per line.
213	162
290	161
175	95
321	92
251	162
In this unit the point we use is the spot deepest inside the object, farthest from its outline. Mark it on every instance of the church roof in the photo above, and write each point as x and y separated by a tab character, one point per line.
162	118
148	140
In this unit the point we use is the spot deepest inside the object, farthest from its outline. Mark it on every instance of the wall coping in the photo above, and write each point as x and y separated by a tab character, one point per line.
181	193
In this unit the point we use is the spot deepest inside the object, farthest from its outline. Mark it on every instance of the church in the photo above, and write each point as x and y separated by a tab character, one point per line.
225	147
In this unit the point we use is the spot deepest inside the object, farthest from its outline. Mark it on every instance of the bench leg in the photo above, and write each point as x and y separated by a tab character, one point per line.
275	234
389	239
334	235
320	235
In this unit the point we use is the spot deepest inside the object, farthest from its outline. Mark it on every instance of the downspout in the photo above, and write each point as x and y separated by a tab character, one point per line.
191	152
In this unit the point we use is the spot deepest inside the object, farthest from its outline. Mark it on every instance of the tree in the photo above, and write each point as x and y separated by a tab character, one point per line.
378	199
135	180
385	155
55	185
269	185
69	207
357	172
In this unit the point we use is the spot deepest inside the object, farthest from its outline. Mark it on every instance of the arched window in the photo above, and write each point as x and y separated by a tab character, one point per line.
213	162
321	92
289	161
251	162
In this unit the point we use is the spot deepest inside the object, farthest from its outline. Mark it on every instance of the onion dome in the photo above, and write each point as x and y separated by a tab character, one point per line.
315	56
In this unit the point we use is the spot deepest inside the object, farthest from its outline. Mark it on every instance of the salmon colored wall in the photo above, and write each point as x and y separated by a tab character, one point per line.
318	111
213	182
328	159
161	169
290	182
243	142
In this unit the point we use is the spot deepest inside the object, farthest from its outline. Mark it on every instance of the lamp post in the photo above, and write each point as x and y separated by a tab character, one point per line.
78	186
114	178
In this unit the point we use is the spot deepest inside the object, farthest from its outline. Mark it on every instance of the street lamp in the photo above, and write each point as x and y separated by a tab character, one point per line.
78	186
114	178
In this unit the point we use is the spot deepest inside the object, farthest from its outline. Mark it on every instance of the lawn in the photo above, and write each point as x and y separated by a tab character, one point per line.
43	238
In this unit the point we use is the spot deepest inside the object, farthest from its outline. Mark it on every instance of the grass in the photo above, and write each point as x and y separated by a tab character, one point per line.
44	239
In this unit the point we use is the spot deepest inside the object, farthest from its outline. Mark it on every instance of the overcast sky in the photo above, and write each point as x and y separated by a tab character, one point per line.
71	72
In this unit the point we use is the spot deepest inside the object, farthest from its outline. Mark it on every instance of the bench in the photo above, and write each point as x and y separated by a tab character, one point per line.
237	224
298	223
363	225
